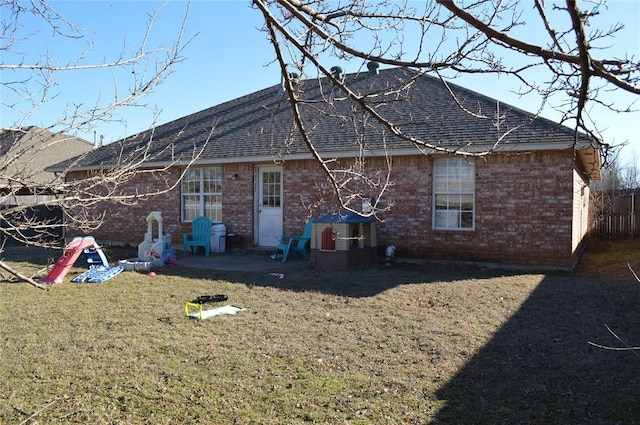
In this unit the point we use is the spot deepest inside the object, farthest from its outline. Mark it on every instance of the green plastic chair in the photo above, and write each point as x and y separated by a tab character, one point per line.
296	243
200	235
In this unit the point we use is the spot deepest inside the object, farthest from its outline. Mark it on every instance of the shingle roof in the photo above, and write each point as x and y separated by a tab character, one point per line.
259	125
29	151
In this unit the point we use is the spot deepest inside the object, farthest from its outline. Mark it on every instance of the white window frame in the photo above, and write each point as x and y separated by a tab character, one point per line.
205	196
453	194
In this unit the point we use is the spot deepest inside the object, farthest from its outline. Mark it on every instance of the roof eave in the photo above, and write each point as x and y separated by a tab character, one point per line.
591	161
587	154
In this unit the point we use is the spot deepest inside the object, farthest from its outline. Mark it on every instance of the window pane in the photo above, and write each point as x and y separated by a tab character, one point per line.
271	188
213	207
191	207
467	184
202	193
446	219
440	167
466	202
453	187
453	184
441	202
212	180
193	174
466	220
440	184
467	168
191	181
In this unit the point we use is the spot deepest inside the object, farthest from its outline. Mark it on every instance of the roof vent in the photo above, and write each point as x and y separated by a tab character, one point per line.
373	68
337	72
295	78
292	76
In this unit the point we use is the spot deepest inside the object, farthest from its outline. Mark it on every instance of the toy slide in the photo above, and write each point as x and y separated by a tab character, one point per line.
99	270
69	256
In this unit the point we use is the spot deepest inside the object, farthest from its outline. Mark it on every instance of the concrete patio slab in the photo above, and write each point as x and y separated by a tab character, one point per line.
250	261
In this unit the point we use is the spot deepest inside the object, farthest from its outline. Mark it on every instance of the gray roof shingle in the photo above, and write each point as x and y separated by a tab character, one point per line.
260	124
27	153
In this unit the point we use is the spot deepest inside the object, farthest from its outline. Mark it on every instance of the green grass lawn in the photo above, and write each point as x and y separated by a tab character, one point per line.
381	345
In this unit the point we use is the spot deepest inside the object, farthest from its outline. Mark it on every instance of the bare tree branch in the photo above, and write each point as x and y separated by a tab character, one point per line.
634	273
626	347
78	193
446	37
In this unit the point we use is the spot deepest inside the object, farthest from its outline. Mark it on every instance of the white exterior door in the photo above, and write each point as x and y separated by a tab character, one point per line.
269	205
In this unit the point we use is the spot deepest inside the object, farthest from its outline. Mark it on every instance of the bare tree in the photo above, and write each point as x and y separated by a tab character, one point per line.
143	69
566	67
620	178
444	38
628	173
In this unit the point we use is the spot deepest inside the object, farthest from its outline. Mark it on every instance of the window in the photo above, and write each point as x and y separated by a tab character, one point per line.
453	190
202	194
271	189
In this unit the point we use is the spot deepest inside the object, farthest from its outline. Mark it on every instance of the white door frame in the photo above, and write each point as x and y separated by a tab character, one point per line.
268	211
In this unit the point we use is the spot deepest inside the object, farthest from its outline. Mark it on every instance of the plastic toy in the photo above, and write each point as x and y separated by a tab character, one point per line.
98	274
151	252
200	314
169	257
210	299
99	269
71	253
151	249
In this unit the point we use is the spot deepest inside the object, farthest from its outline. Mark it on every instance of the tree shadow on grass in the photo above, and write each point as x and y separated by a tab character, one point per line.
539	368
360	282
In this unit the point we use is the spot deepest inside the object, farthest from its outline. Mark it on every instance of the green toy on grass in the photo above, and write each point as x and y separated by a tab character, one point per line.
195	311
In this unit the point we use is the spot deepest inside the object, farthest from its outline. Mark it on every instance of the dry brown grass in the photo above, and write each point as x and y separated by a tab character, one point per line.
610	258
397	345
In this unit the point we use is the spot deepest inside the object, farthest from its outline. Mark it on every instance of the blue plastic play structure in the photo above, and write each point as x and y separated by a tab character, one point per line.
99	269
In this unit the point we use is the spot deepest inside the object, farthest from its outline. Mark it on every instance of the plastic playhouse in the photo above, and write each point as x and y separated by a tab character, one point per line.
152	252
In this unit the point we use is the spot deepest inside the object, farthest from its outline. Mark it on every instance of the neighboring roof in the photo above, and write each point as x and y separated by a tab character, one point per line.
27	152
258	126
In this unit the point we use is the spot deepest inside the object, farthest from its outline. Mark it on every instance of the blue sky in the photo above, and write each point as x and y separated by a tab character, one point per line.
229	57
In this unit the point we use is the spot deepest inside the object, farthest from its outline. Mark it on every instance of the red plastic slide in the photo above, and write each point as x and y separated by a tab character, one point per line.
69	256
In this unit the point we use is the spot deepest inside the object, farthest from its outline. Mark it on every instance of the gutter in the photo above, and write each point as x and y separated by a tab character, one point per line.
587	148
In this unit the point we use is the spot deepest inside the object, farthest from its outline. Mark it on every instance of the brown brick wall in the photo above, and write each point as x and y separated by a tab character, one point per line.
523	209
237	199
127	223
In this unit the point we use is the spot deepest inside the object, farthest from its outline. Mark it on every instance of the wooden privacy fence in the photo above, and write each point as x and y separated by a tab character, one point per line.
618	226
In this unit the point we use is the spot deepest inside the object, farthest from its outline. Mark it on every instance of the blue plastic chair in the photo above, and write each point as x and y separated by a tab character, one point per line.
295	243
200	235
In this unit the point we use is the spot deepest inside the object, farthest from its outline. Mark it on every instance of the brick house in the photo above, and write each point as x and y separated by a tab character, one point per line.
525	204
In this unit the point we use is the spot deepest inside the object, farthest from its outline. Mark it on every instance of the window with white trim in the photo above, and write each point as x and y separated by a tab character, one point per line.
453	193
202	194
272	189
